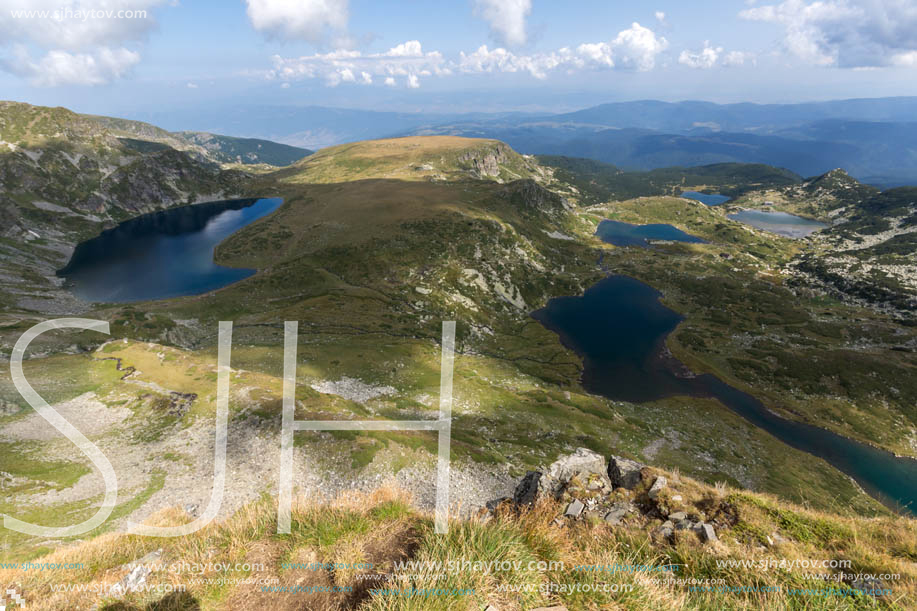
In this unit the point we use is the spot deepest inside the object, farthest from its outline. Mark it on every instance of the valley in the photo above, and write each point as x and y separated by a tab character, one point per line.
370	246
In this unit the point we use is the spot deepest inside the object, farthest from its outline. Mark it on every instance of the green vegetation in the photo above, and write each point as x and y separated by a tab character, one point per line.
599	182
366	536
377	243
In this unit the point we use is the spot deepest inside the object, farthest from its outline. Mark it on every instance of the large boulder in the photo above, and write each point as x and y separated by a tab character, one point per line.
528	488
624	473
584	464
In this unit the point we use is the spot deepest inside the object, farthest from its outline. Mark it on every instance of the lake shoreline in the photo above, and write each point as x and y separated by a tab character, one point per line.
816	441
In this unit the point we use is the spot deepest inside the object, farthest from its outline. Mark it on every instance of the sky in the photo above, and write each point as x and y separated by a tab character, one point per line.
130	57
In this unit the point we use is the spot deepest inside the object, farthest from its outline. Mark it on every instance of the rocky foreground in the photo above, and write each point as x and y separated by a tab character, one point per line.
585	533
618	491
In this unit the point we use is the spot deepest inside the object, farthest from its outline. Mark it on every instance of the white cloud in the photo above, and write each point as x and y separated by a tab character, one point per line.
310	20
844	33
506	19
660	16
76	25
65	68
410	48
705	58
76	42
342	66
191	85
633	49
637	47
597	52
485	60
907	60
738	58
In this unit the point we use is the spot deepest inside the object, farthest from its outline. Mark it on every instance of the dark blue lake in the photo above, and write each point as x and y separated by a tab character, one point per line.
626	234
710	199
163	254
619	327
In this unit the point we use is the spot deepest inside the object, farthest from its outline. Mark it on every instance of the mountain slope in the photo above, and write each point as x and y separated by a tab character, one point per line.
375	245
226	149
64	177
869	253
217	148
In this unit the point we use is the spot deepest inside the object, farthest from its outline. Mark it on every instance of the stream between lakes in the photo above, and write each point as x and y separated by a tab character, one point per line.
619	327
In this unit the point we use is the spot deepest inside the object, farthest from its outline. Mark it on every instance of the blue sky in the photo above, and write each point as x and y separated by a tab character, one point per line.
451	56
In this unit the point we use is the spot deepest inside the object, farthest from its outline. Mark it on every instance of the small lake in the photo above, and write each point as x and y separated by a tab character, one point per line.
782	223
710	199
163	254
619	328
626	234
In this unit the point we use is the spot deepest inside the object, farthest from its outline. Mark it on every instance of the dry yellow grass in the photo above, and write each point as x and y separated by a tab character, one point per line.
380	529
395	158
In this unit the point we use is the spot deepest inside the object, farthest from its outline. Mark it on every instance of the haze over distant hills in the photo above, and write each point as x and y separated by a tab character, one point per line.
874	139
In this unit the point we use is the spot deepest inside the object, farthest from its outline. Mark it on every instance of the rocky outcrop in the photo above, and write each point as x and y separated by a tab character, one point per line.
620	491
485	162
528	196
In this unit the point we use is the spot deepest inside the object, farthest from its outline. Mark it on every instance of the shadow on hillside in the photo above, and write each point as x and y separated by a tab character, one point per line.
176	601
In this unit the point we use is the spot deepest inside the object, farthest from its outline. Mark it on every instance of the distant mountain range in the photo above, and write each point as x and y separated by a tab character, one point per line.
874	139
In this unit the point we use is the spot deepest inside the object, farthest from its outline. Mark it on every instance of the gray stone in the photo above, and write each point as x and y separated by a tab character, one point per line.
678	516
131	582
583	463
778	538
574	509
657	487
526	492
617	513
667	529
684	525
869	586
708	534
624	473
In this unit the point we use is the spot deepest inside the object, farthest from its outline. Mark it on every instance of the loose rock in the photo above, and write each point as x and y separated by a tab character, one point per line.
708	534
657	487
574	509
624	473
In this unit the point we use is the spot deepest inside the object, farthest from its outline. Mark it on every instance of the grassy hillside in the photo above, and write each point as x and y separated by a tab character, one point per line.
412	159
226	149
376	552
375	244
599	182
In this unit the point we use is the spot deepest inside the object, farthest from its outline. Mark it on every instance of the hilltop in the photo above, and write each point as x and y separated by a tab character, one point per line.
415	158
